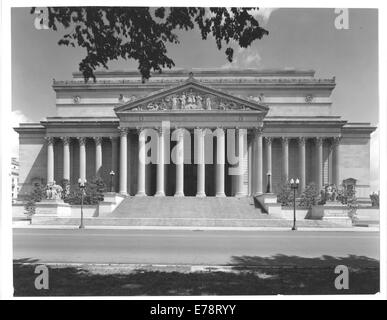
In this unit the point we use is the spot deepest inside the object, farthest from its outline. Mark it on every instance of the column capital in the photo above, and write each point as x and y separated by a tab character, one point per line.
140	130
219	131
319	141
336	141
50	140
179	132
301	141
82	141
66	140
123	131
200	132
268	140
258	131
285	140
98	140
160	130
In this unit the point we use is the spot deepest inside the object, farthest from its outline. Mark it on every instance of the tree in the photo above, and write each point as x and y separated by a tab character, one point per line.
309	197
285	194
348	197
36	195
93	193
141	33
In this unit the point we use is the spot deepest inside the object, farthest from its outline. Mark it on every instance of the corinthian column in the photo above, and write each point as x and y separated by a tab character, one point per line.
123	160
82	158
242	144
50	159
268	160
220	162
141	162
180	164
285	159
114	144
301	162
160	192
98	155
336	161
66	158
258	158
201	167
319	164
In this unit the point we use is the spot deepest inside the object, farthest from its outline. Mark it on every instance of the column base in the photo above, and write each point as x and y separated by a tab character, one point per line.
179	194
141	194
240	195
160	194
257	194
123	193
220	195
201	195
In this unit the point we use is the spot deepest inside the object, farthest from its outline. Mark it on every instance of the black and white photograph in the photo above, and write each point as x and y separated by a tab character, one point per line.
182	151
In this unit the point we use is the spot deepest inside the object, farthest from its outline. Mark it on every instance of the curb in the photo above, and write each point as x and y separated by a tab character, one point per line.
302	229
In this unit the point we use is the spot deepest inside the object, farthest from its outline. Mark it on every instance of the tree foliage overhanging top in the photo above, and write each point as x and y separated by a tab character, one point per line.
141	33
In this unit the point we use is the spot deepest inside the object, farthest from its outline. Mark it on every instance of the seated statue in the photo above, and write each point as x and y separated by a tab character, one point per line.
54	191
330	192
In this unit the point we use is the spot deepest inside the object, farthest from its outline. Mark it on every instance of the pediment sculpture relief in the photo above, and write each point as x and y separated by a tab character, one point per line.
191	100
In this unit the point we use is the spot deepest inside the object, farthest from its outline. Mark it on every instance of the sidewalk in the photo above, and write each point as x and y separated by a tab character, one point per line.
26	225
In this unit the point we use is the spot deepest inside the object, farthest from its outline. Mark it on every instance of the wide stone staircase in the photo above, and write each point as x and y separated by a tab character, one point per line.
187	212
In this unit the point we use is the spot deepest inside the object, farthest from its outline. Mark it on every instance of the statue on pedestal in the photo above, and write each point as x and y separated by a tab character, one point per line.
329	193
54	191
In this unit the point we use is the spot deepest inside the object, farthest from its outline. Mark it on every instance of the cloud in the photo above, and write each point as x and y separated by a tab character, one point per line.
245	58
17	117
263	14
374	161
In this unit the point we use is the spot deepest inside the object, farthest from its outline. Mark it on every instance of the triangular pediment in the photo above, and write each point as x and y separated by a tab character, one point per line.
191	95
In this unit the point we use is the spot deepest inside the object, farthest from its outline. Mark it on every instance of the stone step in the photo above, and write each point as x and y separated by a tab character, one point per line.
181	222
188	207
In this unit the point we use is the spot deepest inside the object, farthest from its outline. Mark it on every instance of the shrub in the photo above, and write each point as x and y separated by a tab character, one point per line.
93	193
309	197
65	184
36	195
285	194
375	199
347	196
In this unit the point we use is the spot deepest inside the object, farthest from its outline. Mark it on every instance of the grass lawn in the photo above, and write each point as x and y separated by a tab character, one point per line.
245	276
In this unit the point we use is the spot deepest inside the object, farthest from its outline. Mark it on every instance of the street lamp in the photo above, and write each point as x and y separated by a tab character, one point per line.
82	186
268	187
111	180
294	186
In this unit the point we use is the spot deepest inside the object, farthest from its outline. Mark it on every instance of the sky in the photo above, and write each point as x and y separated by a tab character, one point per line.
298	38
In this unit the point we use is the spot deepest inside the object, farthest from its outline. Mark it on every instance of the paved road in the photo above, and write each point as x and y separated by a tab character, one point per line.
185	247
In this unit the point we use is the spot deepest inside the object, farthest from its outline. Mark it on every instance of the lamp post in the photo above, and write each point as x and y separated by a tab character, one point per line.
294	186
82	186
111	180
268	187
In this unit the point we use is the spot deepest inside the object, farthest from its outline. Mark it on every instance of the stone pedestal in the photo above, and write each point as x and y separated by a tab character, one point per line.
111	201
336	212
52	208
269	205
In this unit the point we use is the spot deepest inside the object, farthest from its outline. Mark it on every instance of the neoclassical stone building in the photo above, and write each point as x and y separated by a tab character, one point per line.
280	122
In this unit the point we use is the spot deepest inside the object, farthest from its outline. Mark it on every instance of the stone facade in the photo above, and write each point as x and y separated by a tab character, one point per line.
282	119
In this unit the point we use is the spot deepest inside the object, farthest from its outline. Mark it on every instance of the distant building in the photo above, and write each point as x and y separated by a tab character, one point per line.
15	177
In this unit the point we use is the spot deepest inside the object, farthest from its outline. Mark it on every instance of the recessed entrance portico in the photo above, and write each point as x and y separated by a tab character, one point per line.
199	141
